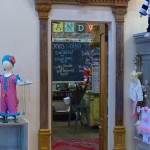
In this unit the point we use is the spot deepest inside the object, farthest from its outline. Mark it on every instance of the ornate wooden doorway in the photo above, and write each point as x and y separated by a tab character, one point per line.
103	132
119	8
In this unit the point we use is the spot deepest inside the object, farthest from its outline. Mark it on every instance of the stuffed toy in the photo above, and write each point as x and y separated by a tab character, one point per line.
145	10
135	90
8	100
86	74
143	125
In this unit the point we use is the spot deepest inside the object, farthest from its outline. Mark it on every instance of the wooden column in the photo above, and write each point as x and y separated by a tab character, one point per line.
43	8
119	129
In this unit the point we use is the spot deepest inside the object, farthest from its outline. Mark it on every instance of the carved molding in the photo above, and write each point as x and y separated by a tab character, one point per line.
119	9
93	2
44	139
119	138
119	13
43	7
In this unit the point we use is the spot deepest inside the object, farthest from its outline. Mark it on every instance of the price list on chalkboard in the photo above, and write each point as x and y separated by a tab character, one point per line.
70	58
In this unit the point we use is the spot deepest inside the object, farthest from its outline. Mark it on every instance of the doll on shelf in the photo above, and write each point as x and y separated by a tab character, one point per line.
145	10
135	91
143	126
8	100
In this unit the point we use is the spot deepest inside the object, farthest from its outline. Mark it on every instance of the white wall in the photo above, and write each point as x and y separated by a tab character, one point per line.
133	24
19	36
82	13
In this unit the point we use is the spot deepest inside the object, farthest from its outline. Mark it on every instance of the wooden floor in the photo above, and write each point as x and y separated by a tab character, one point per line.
61	130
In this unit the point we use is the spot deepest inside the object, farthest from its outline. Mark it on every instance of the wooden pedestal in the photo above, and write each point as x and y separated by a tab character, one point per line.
44	139
119	138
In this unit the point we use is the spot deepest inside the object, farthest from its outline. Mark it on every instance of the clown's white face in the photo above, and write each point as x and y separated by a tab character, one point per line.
7	66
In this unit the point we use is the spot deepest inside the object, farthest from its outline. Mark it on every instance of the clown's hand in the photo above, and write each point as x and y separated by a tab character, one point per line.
20	82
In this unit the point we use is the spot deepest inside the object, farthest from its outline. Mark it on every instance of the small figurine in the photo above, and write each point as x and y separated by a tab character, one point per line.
9	101
145	10
143	125
135	90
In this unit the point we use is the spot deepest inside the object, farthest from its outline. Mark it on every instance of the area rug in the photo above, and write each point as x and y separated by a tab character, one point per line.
76	144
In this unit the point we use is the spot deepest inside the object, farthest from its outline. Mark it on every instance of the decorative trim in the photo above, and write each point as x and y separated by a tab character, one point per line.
93	2
119	116
43	7
83	2
44	74
119	138
119	10
119	13
44	139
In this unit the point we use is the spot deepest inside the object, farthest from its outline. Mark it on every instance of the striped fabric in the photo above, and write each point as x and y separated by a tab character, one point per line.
143	10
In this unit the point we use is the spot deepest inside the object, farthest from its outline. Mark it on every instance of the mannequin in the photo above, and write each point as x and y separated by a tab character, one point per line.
8	101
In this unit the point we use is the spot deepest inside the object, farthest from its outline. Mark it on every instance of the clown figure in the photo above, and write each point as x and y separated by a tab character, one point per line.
145	10
8	100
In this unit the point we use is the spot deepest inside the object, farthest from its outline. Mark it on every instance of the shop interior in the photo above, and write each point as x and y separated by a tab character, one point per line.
75	79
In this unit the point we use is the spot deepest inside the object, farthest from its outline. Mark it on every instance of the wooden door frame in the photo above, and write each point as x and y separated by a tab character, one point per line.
119	9
103	104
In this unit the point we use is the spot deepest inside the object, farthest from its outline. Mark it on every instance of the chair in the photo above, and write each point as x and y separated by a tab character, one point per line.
76	104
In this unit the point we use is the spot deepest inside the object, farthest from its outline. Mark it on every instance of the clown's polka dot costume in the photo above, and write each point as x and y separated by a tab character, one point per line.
9	101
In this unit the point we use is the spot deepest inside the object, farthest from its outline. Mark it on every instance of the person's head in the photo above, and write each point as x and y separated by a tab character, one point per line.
8	62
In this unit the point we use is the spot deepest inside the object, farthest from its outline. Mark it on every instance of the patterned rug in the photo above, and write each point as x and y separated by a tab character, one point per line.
76	144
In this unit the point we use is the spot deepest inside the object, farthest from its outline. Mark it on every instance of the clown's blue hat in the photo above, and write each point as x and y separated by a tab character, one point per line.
9	58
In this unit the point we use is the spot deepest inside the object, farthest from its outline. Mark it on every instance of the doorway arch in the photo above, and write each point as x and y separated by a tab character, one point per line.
119	10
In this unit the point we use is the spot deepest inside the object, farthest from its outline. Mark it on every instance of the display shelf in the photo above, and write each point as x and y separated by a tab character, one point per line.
14	136
140	145
142	62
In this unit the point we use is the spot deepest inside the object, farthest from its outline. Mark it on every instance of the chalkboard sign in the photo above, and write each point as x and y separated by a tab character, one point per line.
70	58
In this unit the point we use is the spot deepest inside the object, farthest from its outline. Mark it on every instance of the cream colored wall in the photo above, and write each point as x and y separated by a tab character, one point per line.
19	36
133	24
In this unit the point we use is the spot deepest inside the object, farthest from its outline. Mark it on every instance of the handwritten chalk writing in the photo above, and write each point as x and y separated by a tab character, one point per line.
70	58
73	45
87	61
90	53
63	59
67	59
58	46
59	59
64	69
63	52
68	65
61	67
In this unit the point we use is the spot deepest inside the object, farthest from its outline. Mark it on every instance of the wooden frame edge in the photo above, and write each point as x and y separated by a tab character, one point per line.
43	7
44	137
119	138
